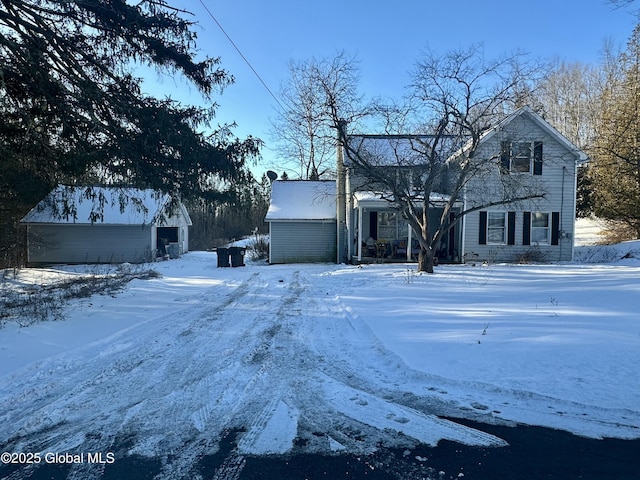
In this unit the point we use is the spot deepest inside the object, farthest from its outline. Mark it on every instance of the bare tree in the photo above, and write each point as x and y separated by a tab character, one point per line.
621	3
569	99
303	129
456	98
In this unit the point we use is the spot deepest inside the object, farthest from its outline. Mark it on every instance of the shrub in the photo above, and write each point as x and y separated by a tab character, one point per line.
533	255
28	303
259	247
617	232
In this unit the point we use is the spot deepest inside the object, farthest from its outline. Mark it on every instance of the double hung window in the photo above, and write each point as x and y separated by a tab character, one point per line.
521	157
540	228
496	228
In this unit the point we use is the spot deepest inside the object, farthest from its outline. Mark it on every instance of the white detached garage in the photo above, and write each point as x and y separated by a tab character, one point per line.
302	222
105	225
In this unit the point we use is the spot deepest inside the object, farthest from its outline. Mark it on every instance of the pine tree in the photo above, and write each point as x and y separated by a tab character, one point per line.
616	168
71	109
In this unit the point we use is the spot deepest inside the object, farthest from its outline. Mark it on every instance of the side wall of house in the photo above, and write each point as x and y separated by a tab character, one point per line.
89	244
302	242
557	181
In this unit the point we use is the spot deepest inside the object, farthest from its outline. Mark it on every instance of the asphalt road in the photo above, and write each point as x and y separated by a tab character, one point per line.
533	453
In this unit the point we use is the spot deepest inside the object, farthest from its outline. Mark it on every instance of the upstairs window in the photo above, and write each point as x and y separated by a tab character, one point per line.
521	157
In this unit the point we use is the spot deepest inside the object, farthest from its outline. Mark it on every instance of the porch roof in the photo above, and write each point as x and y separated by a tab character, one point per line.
369	199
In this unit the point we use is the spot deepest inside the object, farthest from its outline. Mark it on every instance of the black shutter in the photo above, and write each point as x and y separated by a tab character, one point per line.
511	228
526	228
505	157
537	158
482	233
555	228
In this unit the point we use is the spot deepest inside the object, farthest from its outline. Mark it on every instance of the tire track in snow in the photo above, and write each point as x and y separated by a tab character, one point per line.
50	421
231	468
267	352
363	382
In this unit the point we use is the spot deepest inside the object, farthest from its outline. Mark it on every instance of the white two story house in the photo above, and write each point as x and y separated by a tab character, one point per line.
521	150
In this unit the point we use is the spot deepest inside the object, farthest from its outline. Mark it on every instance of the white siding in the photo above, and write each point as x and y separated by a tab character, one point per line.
89	244
302	242
557	182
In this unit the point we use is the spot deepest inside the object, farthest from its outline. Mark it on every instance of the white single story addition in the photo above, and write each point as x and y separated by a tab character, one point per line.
105	225
302	222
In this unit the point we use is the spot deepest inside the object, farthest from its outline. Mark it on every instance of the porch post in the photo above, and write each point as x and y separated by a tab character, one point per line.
359	233
341	198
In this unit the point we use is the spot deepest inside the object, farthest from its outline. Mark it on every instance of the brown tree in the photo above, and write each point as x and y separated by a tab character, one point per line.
456	98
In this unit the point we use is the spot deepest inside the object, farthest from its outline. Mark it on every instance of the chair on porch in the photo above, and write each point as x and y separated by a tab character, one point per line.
370	247
399	248
382	249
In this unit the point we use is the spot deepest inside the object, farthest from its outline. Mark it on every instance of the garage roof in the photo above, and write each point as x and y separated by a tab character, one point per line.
102	205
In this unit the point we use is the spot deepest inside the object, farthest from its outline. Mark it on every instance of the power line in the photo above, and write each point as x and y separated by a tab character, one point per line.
242	55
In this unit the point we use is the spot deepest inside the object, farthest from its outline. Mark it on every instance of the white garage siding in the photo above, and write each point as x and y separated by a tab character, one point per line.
122	227
302	242
89	244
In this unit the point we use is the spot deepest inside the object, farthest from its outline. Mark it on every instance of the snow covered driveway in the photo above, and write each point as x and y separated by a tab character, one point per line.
315	358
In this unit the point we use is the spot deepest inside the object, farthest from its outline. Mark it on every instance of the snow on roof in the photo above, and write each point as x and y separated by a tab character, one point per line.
120	206
302	200
378	198
397	150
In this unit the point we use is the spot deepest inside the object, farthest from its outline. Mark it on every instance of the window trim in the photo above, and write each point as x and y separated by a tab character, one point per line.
515	157
504	227
508	157
548	228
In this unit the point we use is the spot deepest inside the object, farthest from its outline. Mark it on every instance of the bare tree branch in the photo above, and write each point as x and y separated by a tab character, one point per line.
456	98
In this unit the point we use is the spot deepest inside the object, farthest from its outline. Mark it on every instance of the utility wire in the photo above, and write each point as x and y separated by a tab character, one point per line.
243	57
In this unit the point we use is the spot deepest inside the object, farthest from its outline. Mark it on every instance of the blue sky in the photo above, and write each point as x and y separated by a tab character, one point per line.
387	40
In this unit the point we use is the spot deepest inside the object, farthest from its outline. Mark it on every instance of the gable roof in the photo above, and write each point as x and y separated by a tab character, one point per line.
302	200
120	206
392	150
543	124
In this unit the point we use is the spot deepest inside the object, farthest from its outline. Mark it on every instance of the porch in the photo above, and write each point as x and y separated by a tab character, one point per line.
381	235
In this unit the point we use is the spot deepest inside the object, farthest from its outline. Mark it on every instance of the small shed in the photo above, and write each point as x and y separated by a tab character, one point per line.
105	225
302	222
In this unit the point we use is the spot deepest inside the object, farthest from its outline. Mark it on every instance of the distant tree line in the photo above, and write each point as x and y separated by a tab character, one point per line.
218	223
598	108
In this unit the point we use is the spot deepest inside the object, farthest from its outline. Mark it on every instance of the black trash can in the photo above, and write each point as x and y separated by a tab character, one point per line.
237	256
223	257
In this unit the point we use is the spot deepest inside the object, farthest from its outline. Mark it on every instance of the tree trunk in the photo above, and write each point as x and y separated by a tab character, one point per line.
425	260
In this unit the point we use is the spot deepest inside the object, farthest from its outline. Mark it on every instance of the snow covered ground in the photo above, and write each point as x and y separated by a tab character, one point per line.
325	358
